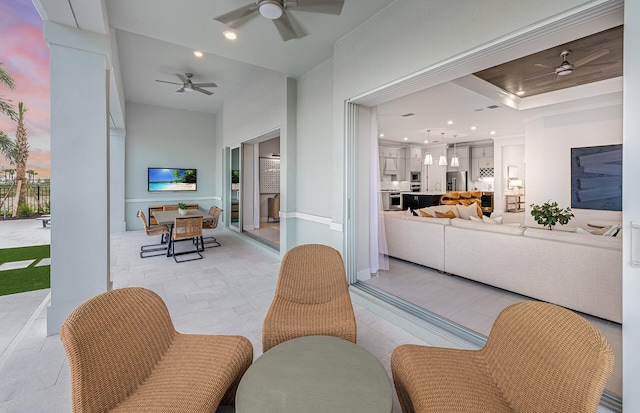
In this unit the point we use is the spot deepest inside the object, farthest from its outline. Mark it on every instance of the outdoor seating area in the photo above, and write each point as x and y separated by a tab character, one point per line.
174	225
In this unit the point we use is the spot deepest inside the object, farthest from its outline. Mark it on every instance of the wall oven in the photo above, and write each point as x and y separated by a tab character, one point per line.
391	201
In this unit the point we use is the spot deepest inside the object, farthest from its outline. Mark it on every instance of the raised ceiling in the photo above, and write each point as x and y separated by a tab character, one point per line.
535	74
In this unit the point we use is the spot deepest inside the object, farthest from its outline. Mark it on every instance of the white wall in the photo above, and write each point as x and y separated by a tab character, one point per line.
548	143
161	137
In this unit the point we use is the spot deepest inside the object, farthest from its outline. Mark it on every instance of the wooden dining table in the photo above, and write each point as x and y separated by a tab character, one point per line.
168	218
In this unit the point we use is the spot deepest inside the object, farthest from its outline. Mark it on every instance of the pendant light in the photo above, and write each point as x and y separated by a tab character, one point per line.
443	158
428	159
454	158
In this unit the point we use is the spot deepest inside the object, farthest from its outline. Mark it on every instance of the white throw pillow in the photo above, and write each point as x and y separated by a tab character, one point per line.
466	212
582	231
488	220
611	231
475	218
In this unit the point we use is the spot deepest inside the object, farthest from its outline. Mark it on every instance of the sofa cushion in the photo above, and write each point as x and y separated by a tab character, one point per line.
425	214
481	226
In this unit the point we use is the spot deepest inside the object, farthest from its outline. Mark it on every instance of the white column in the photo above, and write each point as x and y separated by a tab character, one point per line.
117	194
79	169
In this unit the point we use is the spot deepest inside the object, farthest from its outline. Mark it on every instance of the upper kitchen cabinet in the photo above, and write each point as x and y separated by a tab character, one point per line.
415	160
393	163
463	158
481	162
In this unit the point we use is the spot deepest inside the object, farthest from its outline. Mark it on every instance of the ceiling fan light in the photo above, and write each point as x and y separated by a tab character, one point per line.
188	89
564	71
271	10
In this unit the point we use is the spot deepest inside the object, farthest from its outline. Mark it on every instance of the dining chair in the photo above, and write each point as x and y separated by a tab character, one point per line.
126	356
153	250
186	227
211	241
170	207
539	357
311	297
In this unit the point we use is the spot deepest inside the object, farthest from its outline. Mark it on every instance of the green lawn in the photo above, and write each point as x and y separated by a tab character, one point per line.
26	279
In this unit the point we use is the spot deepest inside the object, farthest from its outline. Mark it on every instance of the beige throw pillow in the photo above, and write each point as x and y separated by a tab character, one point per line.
424	214
448	214
466	211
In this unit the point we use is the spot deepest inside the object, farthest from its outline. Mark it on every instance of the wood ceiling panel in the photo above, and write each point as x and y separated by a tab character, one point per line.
535	74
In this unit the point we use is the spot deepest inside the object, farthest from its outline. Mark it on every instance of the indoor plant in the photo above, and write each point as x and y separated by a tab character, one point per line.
549	214
182	208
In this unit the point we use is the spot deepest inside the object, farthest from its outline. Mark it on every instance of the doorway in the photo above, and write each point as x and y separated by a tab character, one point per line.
254	191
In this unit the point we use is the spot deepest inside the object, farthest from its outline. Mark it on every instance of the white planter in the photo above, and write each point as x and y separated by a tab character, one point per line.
182	211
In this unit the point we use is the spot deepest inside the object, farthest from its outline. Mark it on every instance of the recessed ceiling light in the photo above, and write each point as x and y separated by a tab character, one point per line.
493	132
382	135
230	34
473	128
405	138
426	141
197	53
520	92
450	122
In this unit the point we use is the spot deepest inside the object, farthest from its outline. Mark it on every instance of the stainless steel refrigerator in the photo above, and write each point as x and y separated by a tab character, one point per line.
457	181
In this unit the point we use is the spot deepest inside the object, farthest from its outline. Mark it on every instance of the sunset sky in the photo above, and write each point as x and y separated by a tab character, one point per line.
25	56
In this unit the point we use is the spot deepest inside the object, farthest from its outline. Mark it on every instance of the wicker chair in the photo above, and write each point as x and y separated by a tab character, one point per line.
311	297
187	228
211	241
126	356
538	358
153	250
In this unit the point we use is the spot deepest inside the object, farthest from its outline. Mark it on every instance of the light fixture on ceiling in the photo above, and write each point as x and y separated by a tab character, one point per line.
520	92
198	53
428	158
454	158
271	9
449	122
382	135
442	161
405	138
230	34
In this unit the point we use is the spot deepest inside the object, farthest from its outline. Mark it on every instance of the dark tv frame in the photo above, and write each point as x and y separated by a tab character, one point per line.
149	182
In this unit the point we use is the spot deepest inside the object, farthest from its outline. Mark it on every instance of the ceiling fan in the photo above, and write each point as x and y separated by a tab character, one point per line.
189	86
276	10
567	68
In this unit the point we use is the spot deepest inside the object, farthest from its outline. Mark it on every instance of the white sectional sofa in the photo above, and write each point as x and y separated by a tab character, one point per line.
578	271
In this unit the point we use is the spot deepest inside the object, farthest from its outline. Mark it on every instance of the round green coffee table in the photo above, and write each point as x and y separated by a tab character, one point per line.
315	374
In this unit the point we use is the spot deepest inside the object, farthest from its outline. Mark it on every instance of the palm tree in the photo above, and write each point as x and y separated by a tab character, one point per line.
31	174
21	153
6	145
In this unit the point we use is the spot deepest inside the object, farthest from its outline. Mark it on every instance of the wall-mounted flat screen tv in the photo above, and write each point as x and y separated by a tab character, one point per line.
172	179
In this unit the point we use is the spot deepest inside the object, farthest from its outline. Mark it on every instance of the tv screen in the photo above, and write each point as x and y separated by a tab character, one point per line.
172	179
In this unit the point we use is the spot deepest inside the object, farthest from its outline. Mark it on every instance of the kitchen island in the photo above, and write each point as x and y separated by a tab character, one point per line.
417	200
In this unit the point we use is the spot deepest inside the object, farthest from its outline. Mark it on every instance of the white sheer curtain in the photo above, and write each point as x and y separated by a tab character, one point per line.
378	259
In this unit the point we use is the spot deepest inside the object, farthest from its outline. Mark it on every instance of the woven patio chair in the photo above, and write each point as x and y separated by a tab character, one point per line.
154	250
539	357
311	297
211	241
126	356
187	228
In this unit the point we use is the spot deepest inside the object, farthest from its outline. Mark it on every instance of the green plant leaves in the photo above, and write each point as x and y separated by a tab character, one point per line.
550	214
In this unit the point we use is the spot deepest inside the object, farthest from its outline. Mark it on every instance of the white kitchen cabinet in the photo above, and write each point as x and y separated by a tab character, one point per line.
388	152
480	165
416	153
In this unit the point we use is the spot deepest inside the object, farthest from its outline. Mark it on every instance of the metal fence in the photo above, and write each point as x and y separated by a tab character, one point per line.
38	200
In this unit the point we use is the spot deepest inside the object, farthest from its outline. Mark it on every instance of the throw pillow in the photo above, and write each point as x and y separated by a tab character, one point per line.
582	231
465	212
424	214
413	212
488	220
613	229
475	219
601	231
448	214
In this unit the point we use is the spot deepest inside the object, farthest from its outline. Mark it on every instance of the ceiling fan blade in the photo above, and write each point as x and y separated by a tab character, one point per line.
180	90
206	92
164	81
211	84
539	76
590	58
183	78
237	14
541	65
288	28
317	6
